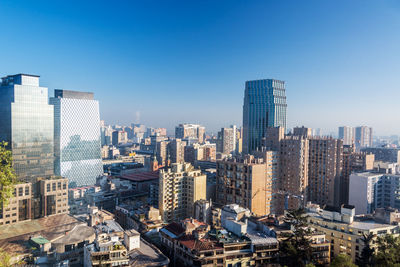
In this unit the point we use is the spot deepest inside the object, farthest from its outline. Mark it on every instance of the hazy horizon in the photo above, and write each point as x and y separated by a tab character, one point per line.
164	63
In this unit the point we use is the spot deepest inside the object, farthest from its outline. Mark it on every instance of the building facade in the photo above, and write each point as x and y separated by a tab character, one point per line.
27	124
180	186
363	137
77	137
324	170
347	134
264	106
369	191
247	181
190	131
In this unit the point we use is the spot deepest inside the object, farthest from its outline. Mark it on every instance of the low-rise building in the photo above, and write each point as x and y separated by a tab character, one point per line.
344	230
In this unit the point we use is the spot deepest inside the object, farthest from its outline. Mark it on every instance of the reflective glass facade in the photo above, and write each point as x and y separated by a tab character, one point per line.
77	137
264	106
27	124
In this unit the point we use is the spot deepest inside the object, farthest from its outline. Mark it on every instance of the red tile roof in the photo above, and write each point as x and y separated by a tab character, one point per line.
140	177
192	243
175	228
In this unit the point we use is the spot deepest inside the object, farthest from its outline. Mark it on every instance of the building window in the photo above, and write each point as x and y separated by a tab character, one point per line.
20	192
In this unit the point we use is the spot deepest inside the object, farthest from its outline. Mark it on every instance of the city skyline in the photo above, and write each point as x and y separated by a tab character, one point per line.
202	53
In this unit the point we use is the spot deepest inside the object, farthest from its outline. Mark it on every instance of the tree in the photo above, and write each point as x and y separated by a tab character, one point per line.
388	251
367	253
296	249
342	260
8	179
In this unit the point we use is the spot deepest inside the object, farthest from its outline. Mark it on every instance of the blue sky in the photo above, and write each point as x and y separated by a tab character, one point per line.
165	62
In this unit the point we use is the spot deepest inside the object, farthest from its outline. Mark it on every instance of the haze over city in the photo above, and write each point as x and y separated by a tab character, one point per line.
146	61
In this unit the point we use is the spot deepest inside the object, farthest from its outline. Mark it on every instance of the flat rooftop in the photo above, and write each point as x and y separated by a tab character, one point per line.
140	177
357	224
14	238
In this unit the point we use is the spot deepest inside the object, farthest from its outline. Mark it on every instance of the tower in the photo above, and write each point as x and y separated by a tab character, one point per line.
264	106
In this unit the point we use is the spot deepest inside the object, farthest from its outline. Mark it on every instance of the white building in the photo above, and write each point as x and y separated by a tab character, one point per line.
368	191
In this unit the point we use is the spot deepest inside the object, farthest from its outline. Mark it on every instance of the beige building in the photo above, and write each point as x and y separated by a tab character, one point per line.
344	230
41	198
247	181
190	131
324	170
180	186
293	172
198	151
176	150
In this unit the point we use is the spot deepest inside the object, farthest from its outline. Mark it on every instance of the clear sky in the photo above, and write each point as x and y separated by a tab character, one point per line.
165	62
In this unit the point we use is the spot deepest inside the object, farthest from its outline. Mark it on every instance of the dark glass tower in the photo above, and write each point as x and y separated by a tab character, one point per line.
27	124
264	106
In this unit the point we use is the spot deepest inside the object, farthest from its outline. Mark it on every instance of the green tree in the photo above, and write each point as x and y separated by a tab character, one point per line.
8	179
388	251
296	249
342	260
367	253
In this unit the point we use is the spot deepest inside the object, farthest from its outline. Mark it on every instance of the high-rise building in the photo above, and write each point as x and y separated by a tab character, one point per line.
353	162
176	149
179	188
264	106
324	170
27	124
293	172
119	137
369	191
190	131
77	138
347	133
363	137
247	181
227	140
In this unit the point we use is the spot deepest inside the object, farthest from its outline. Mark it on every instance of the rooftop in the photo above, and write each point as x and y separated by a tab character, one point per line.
140	177
368	224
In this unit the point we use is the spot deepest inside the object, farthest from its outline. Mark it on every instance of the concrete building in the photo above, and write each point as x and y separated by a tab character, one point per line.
27	125
302	131
369	191
293	172
264	106
247	181
180	186
385	154
344	230
226	142
119	137
77	140
324	170
347	134
190	131
202	211
363	137
200	152
176	150
36	199
353	162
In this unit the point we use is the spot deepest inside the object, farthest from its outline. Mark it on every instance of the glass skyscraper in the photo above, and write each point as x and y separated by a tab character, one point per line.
264	106
27	124
77	137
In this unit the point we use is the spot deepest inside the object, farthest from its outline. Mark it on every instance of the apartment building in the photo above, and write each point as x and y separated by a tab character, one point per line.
344	230
180	186
353	162
324	170
247	181
37	199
